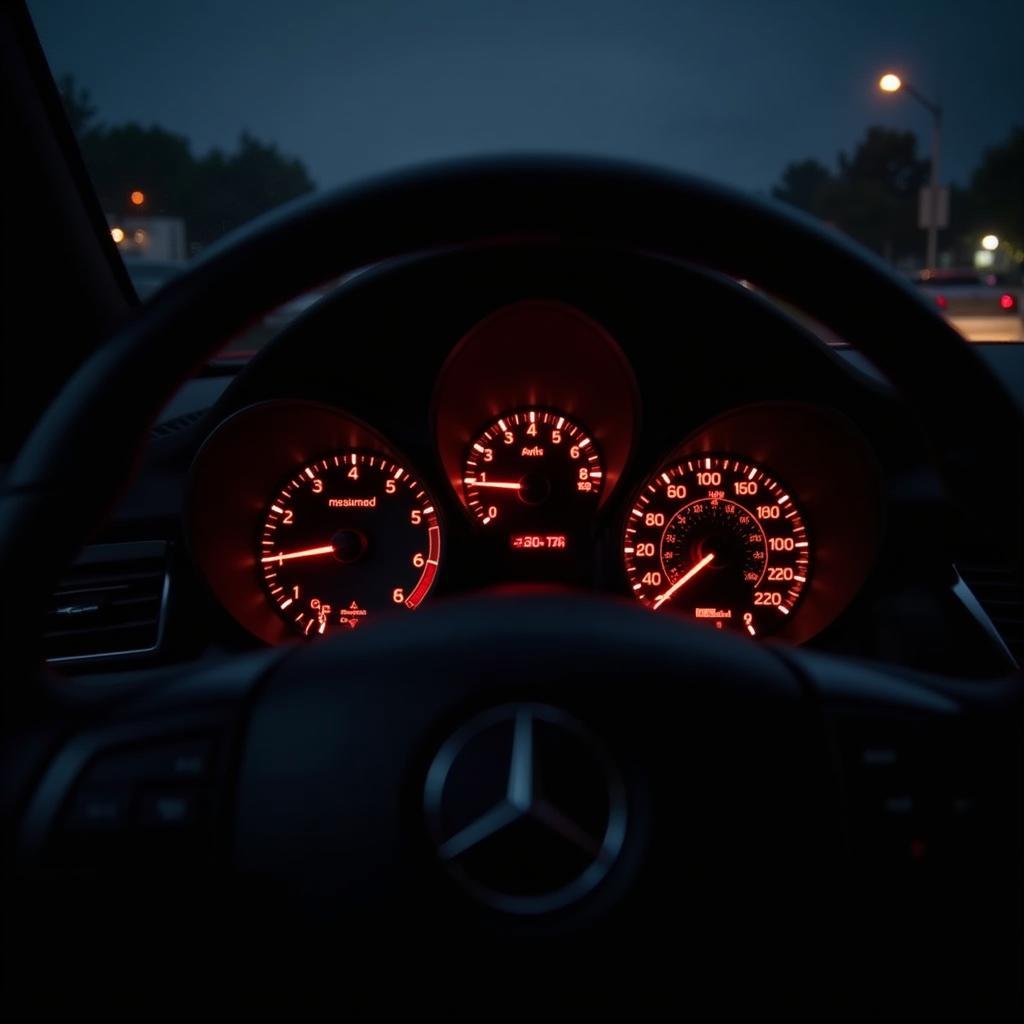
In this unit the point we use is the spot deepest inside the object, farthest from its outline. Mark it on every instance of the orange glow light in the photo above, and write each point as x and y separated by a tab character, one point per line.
137	198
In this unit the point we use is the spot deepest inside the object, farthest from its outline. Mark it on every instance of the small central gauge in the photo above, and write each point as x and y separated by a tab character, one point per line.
534	475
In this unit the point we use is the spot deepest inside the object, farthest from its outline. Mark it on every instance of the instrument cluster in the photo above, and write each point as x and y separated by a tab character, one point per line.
307	522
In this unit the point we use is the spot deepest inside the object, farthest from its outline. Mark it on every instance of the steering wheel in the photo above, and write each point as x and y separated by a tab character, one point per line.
512	799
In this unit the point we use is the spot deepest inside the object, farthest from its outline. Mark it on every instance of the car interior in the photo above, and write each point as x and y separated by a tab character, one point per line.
573	613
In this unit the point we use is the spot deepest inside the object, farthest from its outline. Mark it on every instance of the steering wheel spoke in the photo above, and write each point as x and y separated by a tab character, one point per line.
140	782
928	771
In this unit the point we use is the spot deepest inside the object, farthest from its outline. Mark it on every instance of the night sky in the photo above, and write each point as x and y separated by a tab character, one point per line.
729	89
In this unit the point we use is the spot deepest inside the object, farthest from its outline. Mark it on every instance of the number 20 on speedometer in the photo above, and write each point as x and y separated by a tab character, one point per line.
718	539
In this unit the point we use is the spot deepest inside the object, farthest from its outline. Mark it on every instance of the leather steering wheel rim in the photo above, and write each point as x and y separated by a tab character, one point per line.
84	447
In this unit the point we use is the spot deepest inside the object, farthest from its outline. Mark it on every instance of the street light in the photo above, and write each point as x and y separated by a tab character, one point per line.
890	82
990	242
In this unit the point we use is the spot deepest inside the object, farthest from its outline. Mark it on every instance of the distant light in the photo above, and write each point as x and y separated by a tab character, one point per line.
990	242
942	302
139	236
983	259
890	83
117	235
1007	301
137	198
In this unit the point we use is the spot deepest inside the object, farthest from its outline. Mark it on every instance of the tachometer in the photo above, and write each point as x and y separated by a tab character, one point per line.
719	539
534	473
347	536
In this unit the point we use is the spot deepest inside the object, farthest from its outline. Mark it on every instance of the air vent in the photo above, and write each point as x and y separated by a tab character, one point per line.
1001	593
110	604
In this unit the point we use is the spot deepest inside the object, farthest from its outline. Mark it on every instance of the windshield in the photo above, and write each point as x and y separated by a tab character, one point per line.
901	125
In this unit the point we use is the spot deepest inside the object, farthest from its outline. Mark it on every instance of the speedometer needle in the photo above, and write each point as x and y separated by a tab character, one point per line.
496	484
327	549
662	598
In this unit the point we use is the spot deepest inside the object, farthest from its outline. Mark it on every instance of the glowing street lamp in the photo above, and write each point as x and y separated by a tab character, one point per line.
117	235
990	242
137	198
892	83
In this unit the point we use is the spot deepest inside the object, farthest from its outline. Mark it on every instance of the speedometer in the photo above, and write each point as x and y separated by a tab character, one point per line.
718	539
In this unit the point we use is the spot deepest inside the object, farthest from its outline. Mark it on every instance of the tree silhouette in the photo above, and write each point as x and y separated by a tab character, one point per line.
997	190
232	188
213	194
872	195
77	103
803	184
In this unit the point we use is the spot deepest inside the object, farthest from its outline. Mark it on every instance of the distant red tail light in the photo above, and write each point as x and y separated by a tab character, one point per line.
941	301
1008	301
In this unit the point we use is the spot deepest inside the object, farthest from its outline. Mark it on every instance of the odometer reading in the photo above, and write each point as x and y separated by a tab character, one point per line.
347	536
718	539
533	470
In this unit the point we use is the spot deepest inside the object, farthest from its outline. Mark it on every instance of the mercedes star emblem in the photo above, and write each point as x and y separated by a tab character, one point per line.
526	808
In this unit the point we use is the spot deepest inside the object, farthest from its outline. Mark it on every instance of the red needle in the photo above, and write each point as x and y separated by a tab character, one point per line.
494	483
662	598
327	549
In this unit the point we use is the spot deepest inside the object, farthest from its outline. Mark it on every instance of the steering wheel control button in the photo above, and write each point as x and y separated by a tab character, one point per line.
98	810
169	809
526	809
187	760
141	804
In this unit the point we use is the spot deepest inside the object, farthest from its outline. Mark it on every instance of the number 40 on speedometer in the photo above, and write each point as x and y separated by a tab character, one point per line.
719	539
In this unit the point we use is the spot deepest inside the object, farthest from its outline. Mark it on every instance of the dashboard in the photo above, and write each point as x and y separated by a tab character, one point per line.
537	417
764	520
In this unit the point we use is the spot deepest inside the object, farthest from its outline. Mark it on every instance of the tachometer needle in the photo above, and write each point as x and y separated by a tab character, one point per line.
327	549
498	485
685	578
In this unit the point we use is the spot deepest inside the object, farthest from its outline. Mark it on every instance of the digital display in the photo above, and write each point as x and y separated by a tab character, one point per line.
538	541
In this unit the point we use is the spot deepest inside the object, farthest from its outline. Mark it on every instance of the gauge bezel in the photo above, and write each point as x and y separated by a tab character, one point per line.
238	465
835	480
537	353
313	469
